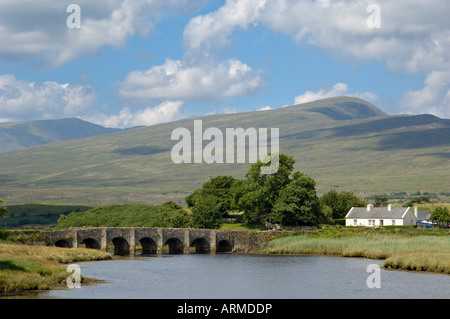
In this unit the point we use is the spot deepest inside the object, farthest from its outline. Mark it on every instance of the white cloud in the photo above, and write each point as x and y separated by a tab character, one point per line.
162	113
339	89
21	100
414	37
265	108
178	80
435	94
213	29
36	31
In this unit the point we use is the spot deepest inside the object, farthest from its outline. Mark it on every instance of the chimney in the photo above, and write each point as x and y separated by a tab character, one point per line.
390	207
416	211
369	207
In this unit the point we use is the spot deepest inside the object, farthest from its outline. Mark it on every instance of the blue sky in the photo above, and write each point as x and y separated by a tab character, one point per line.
151	61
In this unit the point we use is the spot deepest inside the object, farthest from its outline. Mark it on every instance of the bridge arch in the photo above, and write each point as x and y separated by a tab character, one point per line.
149	246
121	246
175	246
201	245
224	246
62	243
91	243
171	240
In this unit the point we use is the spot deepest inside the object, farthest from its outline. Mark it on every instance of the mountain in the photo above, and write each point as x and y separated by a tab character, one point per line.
19	135
343	143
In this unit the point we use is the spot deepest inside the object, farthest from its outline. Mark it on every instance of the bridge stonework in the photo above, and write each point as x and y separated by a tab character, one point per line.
125	240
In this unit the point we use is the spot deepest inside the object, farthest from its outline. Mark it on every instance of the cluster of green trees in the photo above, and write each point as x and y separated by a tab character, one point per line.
287	198
417	200
441	215
336	205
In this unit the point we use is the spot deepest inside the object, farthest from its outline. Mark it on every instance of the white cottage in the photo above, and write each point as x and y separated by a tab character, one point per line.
381	216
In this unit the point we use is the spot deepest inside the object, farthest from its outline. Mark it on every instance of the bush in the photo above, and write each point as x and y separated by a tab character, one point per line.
165	215
4	234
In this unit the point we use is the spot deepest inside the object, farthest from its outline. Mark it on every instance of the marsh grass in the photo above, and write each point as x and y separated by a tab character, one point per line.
24	267
434	261
429	253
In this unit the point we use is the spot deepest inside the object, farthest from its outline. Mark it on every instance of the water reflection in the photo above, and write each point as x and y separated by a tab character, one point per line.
248	276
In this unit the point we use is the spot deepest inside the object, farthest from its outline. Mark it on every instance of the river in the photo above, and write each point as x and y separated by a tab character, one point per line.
233	276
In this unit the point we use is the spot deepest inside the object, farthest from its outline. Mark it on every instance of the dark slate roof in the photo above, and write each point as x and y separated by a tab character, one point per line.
423	215
377	212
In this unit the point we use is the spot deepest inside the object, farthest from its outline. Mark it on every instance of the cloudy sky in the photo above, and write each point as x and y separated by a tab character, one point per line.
141	62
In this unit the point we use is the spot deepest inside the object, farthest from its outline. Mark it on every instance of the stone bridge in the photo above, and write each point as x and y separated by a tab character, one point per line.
131	240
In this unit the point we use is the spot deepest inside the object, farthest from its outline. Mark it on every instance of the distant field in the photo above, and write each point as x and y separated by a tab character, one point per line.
37	215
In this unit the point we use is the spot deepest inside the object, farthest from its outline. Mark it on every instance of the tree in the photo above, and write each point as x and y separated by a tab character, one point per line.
3	210
219	187
257	193
441	215
297	203
283	197
381	201
190	199
206	212
340	203
417	200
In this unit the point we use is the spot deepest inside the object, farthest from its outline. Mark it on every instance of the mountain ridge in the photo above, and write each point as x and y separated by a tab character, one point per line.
371	153
23	134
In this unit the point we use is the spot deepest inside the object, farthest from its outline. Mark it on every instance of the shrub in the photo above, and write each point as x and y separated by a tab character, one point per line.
4	234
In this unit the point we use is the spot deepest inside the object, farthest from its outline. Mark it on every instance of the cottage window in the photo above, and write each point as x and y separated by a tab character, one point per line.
355	222
393	222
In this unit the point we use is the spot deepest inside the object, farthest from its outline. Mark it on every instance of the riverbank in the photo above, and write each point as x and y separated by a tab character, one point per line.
404	249
28	268
37	267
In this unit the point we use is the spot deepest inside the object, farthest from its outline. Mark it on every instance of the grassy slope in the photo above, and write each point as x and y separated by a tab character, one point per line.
375	155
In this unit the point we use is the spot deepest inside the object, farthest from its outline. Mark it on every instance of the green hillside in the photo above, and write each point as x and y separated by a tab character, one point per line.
165	215
19	135
343	143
